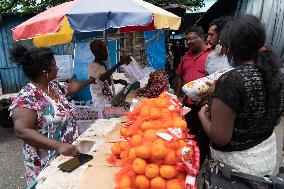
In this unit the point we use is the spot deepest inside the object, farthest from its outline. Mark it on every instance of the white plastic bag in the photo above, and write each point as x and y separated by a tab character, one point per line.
132	71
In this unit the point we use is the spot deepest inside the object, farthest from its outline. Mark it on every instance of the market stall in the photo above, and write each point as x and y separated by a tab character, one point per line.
108	165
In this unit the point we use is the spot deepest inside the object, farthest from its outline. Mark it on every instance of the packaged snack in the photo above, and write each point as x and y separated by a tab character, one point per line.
200	86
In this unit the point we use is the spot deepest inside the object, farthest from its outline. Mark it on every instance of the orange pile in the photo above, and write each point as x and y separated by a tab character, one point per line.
146	160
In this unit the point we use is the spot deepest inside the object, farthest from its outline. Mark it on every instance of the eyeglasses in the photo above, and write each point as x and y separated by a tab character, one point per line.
191	38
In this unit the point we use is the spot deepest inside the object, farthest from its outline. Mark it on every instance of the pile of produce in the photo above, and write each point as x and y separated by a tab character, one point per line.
154	150
157	83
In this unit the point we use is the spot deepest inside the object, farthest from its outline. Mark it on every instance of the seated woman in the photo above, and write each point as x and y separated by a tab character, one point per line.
101	91
43	118
247	104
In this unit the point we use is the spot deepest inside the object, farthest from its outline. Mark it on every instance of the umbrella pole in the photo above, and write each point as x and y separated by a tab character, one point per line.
109	63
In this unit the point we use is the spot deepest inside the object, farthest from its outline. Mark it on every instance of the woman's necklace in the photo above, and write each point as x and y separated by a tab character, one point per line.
49	92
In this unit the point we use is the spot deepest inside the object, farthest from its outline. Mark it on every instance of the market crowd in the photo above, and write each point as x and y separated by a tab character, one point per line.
233	121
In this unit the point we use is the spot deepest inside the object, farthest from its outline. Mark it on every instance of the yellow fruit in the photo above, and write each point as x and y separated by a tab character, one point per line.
159	151
136	140
125	182
158	183
139	166
152	171
142	152
142	182
168	171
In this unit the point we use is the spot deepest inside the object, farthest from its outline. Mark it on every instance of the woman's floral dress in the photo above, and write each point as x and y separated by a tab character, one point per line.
55	120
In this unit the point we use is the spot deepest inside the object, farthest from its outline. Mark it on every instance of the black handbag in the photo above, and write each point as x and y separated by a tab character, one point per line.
219	176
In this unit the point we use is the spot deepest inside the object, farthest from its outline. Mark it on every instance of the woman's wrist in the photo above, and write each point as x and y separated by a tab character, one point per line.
91	80
55	145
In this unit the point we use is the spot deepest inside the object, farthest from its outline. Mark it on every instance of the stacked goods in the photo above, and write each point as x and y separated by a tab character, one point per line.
154	149
157	83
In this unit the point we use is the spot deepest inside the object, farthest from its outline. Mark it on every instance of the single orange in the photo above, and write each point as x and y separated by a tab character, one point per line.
146	125
152	170
171	158
155	113
167	123
159	141
142	152
161	102
174	184
150	135
139	166
132	154
166	113
142	182
144	111
123	154
136	140
125	132
159	151
115	149
158	183
168	171
125	182
123	144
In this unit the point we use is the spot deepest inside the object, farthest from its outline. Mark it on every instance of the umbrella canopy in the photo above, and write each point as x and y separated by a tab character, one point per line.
82	19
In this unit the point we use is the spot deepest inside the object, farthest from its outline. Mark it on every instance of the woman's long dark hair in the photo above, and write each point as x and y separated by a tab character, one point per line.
33	61
245	35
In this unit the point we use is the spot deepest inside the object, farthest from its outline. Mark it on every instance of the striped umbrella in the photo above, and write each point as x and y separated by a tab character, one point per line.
82	19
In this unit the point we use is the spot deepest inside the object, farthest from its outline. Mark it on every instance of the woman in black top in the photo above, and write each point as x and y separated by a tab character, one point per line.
247	102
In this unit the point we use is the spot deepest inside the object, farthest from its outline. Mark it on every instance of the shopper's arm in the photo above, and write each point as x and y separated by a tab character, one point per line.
109	72
178	86
74	87
24	122
220	129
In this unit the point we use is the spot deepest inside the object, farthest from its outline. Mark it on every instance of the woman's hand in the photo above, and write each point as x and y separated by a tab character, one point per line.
211	89
93	80
67	149
203	112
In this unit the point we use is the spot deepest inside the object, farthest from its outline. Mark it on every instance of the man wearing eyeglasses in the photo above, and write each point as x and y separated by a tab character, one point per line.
192	67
